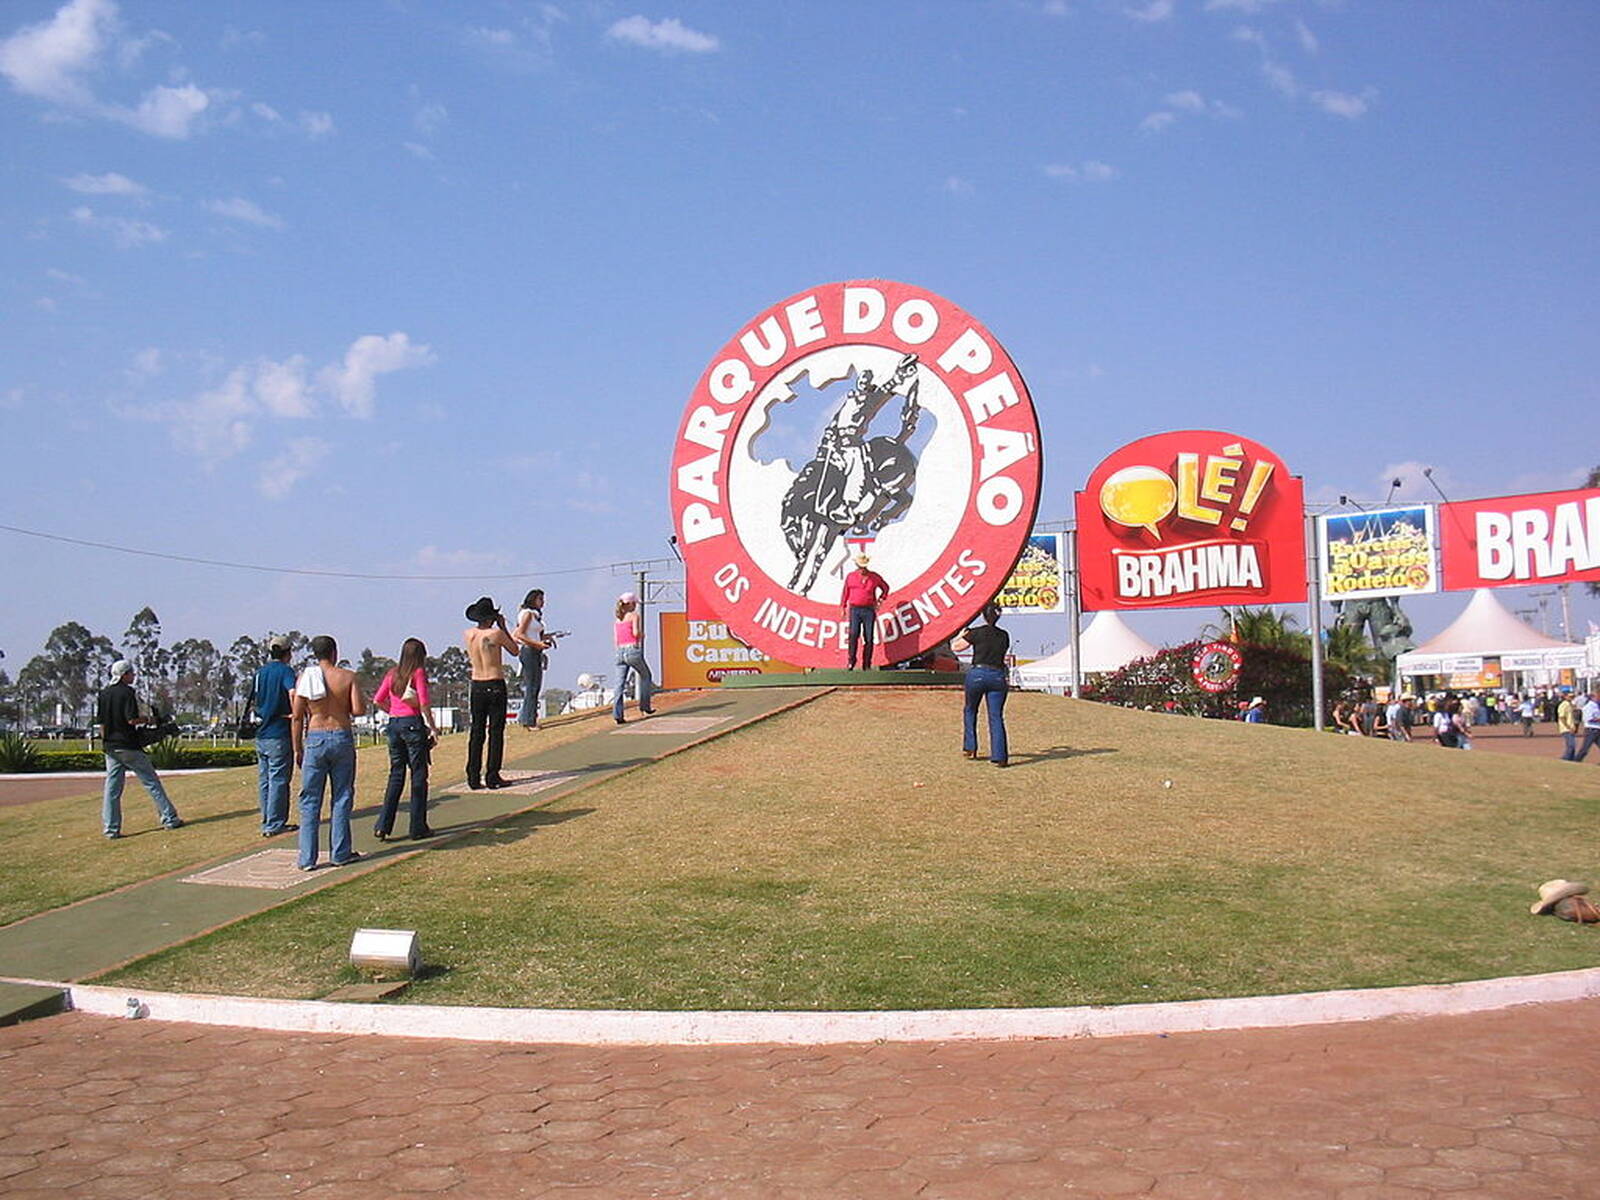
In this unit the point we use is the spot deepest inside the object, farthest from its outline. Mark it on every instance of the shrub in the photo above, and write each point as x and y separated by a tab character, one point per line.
181	757
1281	677
17	754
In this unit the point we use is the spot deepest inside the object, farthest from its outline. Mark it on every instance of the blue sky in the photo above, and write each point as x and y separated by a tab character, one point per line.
407	288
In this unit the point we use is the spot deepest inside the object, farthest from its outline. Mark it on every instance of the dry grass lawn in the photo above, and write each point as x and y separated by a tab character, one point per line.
844	855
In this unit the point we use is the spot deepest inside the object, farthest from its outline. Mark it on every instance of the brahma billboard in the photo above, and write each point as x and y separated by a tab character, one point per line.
783	471
1511	541
1191	518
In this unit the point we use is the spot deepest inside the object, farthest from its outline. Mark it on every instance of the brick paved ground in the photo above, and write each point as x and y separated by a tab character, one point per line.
1493	1105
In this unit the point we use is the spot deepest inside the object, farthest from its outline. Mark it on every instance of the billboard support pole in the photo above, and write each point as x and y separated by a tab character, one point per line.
1074	612
1314	619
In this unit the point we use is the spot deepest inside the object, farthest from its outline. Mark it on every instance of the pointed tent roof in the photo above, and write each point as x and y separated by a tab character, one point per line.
1485	627
1106	644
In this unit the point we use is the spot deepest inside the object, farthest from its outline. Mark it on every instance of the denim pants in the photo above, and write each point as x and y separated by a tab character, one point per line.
863	629
532	680
1570	740
330	758
1591	735
119	761
408	749
631	658
274	766
487	698
986	683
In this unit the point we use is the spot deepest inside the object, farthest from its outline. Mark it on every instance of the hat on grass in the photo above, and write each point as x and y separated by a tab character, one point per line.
120	668
1555	891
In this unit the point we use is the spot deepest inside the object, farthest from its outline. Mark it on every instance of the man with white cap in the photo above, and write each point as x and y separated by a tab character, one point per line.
1256	714
863	588
118	715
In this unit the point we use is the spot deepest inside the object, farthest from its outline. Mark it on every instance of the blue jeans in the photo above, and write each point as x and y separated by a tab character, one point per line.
330	757
118	763
1570	740
408	749
532	680
1591	735
863	628
274	766
986	683
631	658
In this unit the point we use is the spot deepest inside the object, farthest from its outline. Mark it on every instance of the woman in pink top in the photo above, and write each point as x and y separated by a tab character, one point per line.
629	630
403	694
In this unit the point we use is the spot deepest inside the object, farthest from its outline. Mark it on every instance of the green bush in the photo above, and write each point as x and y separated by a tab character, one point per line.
168	756
17	753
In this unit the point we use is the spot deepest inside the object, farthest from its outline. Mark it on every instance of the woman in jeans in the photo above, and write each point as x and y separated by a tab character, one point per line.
629	633
403	694
986	682
531	645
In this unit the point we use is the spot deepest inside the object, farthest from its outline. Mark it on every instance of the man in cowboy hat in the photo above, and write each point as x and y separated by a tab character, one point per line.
1257	712
485	642
863	588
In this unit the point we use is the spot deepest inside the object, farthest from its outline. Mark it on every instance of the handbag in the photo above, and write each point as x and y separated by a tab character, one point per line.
247	719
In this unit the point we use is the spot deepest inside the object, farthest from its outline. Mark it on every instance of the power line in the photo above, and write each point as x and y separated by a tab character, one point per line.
633	564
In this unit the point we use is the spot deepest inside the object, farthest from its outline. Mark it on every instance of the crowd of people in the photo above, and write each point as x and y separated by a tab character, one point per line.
1453	717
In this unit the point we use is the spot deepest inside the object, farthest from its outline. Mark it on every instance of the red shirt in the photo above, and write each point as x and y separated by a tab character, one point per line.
865	588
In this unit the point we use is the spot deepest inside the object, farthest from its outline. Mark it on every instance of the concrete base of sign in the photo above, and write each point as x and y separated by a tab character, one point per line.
876	677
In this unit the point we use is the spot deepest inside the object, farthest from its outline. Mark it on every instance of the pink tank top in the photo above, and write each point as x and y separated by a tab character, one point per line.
625	634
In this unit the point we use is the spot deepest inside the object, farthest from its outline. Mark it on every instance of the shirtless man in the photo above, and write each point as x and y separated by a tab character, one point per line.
326	696
485	642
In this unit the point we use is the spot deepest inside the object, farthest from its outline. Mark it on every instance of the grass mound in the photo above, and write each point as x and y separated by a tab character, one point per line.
844	855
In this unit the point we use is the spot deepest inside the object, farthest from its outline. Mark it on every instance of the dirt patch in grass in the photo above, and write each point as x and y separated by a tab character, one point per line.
845	855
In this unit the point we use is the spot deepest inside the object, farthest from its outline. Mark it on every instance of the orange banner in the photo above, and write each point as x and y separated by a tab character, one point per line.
697	654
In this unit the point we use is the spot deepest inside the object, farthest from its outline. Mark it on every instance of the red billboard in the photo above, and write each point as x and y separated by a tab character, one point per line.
1189	519
1509	541
863	418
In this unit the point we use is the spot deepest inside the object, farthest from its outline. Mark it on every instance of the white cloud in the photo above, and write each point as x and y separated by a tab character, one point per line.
239	209
430	118
109	184
353	384
147	364
46	304
266	112
1157	121
1089	171
317	124
281	388
670	35
1279	78
1244	6
168	112
1308	40
1343	104
1151	12
503	38
47	60
12	398
1189	101
216	423
127	234
299	459
52	61
66	277
419	151
955	185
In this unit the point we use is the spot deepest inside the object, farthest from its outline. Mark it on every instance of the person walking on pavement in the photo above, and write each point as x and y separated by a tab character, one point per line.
326	696
863	589
403	694
272	696
1591	723
485	642
1569	719
628	633
118	714
986	683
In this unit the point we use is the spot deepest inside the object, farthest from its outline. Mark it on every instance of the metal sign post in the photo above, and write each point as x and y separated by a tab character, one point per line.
1074	612
1314	619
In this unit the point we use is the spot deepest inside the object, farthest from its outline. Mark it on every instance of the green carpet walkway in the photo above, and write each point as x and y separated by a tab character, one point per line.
84	939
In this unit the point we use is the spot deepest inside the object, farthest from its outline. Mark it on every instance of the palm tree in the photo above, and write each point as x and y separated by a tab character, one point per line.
1347	646
1261	627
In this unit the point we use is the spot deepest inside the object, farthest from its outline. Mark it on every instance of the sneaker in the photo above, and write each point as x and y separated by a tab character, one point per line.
421	835
112	836
344	862
175	823
307	866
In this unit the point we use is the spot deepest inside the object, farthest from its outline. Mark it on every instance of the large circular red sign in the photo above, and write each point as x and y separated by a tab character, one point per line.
858	417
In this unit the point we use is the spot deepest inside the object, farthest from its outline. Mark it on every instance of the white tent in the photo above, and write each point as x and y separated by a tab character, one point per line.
1106	644
1486	630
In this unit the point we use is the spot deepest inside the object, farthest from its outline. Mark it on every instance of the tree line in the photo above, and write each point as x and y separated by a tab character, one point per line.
192	678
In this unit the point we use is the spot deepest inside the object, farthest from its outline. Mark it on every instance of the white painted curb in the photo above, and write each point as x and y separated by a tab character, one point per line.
614	1028
164	772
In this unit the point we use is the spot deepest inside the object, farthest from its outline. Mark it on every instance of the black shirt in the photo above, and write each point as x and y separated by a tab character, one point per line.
989	645
118	709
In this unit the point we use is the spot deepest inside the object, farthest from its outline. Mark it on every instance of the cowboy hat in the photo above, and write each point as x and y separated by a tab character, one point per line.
482	609
1556	890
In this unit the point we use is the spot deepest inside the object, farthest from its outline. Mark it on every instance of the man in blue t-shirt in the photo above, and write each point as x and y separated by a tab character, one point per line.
274	685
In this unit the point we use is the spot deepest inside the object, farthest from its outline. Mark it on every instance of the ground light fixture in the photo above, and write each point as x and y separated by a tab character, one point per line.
386	952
